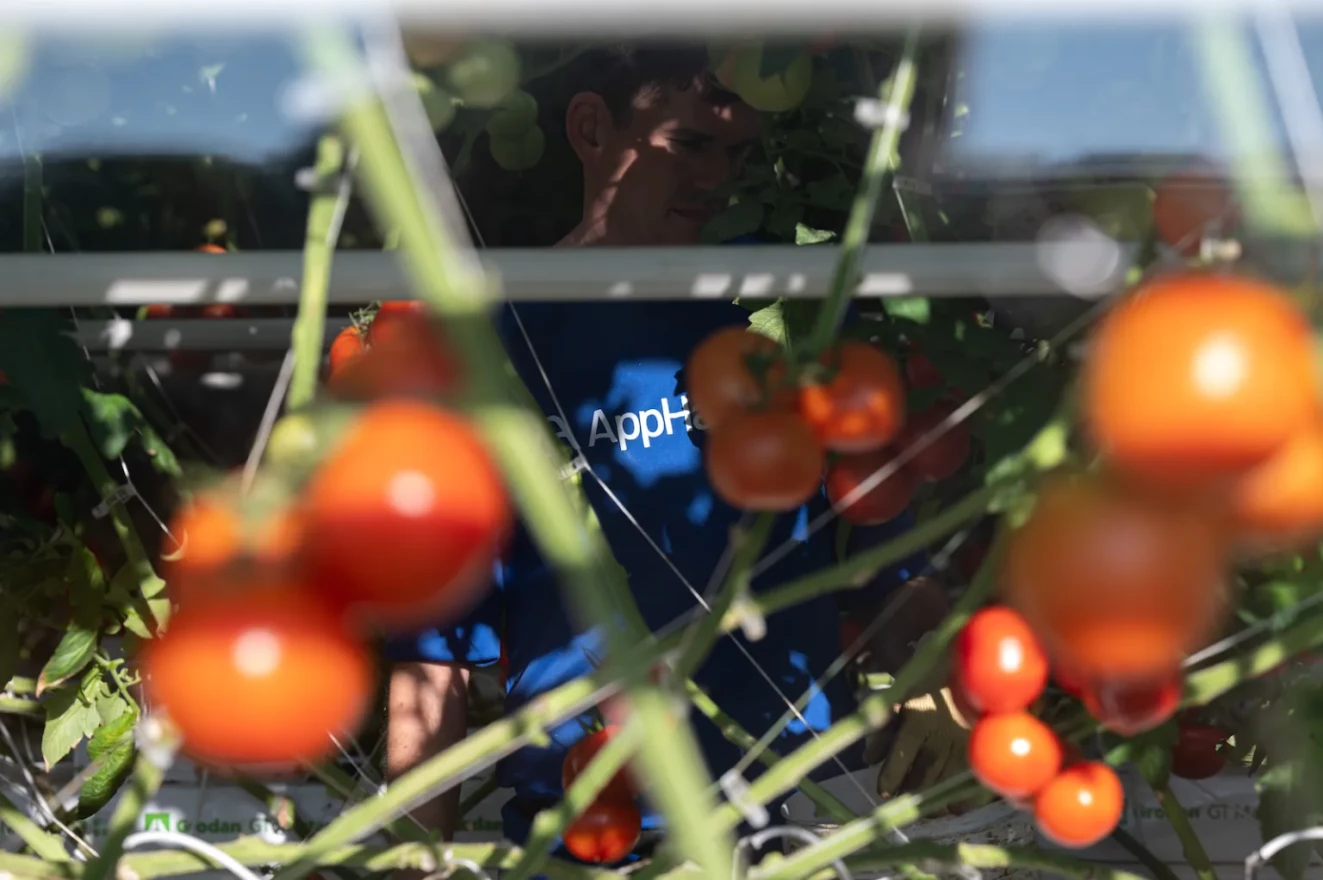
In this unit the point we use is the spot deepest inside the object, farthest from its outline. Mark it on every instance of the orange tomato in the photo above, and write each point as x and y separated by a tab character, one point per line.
1013	754
404	518
1116	585
213	540
732	370
1279	504
345	348
408	360
1196	378
764	460
211	249
605	833
862	406
884	501
1184	205
392	315
264	675
1081	806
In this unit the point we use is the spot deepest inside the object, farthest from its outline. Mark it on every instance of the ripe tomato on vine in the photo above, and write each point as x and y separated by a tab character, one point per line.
999	666
291	676
1130	707
733	370
605	833
1013	754
347	346
764	460
391	316
1195	378
1186	204
945	452
1279	504
861	405
1196	755
1080	806
581	754
882	502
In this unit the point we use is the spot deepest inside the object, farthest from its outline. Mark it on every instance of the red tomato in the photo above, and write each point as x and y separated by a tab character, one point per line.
345	348
1081	806
1132	707
732	370
1195	755
1279	504
160	310
1196	378
1117	586
862	406
764	460
220	310
999	666
605	833
264	675
1013	754
944	454
920	371
581	754
1185	204
213	540
407	360
212	249
392	315
406	515
884	501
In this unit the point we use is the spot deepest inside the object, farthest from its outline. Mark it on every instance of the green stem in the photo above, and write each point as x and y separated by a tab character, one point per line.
1191	846
454	289
876	710
21	685
881	153
550	824
827	802
19	706
1213	681
41	842
142	786
344	785
318	253
1161	870
858	570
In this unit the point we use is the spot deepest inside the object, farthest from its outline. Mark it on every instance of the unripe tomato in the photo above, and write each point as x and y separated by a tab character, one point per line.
1081	806
405	517
1184	205
1131	707
764	460
884	501
605	833
735	369
861	407
1196	378
581	754
265	674
945	453
1195	755
999	666
1279	504
1117	586
1013	754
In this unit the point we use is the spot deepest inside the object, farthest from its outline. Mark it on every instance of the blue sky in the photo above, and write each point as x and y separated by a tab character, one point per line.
1055	92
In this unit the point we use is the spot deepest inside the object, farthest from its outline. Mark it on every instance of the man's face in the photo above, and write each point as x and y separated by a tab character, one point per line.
658	172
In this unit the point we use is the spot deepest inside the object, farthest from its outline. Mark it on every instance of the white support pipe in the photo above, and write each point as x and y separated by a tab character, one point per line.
222	334
588	18
1086	267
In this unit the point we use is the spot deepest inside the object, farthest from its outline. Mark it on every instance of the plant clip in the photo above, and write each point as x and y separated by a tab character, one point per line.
114	499
308	180
577	465
736	788
872	113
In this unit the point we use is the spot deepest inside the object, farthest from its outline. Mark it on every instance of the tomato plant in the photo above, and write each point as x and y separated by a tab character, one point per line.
620	788
1080	806
605	833
1013	754
734	370
1197	377
405	516
861	406
764	460
999	666
884	501
291	676
1116	585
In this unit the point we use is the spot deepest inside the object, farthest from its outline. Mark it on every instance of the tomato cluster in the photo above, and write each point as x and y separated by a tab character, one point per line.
1000	670
395	354
774	430
280	592
608	830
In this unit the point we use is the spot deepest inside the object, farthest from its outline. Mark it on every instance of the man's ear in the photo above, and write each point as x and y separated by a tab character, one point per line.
586	121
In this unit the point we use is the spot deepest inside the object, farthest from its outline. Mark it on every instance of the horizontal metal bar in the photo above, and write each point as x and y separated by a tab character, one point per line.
1089	267
223	334
557	18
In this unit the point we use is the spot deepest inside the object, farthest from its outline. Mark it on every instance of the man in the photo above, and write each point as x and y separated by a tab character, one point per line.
655	136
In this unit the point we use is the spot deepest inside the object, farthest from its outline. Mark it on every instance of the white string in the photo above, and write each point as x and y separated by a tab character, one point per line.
1256	859
193	844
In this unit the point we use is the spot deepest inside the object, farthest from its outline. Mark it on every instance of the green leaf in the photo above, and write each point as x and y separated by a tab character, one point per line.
160	610
113	747
908	308
111	707
808	235
769	321
71	655
44	365
741	218
783	222
69	718
112	419
111	734
161	456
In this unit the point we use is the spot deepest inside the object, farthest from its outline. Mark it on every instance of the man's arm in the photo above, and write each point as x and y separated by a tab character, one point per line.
428	713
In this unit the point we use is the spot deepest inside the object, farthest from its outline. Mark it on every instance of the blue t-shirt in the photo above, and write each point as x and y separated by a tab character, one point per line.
616	371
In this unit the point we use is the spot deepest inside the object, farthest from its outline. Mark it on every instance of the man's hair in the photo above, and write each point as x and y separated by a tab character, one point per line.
626	73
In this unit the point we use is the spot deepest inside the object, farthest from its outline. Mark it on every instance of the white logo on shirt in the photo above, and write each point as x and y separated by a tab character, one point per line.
645	425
